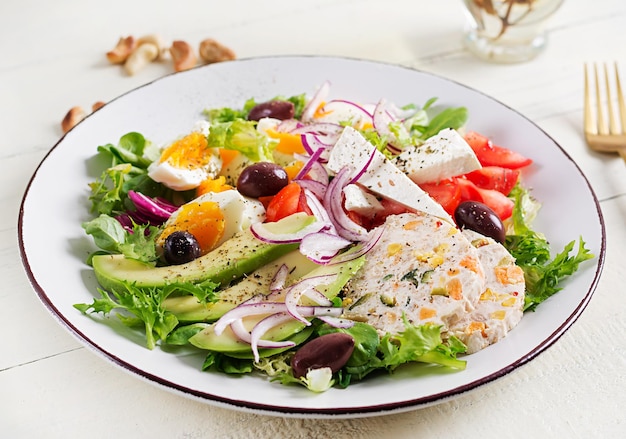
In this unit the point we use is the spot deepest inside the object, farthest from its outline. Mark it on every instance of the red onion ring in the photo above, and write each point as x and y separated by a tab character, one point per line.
333	202
318	98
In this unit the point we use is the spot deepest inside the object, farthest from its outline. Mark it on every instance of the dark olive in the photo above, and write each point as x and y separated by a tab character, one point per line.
180	247
331	350
281	110
262	179
480	218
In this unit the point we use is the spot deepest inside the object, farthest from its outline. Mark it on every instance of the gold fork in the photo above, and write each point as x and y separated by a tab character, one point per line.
603	135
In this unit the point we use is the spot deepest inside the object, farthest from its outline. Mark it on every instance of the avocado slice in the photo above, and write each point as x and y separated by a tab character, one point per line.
187	308
239	255
230	344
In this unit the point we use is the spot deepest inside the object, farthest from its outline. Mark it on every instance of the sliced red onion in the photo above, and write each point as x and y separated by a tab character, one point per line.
149	206
362	168
361	249
312	143
337	322
125	220
261	232
318	98
240	331
326	130
306	287
355	110
288	125
308	165
317	171
318	209
381	119
262	327
321	247
244	310
279	279
333	202
318	189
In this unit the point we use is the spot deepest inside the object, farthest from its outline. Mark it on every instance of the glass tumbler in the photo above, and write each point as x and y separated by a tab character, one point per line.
507	31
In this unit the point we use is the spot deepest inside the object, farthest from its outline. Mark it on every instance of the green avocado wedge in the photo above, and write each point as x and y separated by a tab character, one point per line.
188	309
236	257
227	342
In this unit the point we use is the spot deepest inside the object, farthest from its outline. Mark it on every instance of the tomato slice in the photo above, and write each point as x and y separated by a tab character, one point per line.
489	154
494	177
289	200
497	201
446	192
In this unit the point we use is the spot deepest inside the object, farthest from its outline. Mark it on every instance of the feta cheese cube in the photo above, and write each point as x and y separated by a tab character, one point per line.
359	201
442	156
381	177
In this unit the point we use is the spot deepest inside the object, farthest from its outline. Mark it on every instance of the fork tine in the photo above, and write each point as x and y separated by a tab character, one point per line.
613	123
602	127
590	121
620	100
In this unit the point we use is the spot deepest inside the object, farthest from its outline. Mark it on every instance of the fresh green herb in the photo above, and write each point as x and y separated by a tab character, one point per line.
145	306
532	254
411	276
110	236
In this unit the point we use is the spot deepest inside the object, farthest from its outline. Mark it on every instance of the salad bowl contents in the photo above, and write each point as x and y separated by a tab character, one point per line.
314	239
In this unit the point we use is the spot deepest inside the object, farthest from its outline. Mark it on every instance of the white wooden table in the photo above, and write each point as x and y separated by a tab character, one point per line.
52	58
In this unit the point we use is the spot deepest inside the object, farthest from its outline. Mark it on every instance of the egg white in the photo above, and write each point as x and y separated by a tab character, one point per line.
182	179
239	211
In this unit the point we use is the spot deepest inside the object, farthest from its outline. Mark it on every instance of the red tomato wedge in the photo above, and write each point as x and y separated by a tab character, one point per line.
446	192
494	177
489	154
497	201
287	201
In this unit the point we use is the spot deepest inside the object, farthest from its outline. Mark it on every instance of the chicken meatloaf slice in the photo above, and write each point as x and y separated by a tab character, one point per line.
421	266
501	306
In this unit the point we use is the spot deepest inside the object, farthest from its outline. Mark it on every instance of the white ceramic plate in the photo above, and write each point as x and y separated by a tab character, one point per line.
54	246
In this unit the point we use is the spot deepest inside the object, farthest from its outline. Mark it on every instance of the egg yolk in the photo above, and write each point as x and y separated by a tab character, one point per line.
205	221
213	185
189	152
287	142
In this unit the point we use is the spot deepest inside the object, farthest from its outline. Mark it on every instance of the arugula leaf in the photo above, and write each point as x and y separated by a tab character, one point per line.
532	254
449	118
145	306
129	149
242	135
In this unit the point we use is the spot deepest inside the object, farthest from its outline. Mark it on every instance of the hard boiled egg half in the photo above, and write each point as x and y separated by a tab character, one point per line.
214	217
187	162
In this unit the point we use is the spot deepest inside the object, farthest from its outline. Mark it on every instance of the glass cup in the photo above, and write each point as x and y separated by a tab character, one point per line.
507	31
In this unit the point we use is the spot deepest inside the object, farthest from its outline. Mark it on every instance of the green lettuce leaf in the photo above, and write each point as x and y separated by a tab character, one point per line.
542	273
109	235
242	135
144	306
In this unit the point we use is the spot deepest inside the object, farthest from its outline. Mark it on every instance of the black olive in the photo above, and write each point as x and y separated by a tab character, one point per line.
330	350
262	179
480	218
281	110
181	247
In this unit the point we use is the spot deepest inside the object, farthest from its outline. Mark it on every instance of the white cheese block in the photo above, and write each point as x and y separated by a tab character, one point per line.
442	156
381	177
359	201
